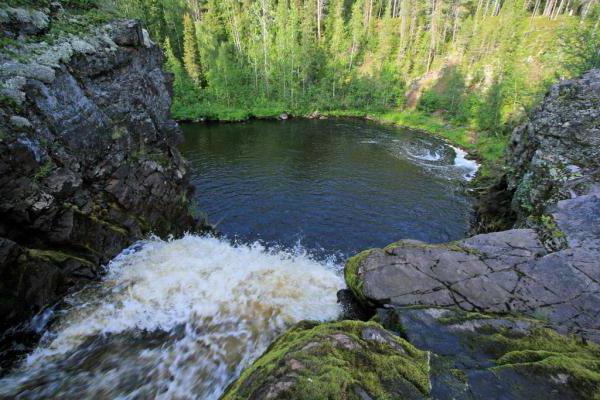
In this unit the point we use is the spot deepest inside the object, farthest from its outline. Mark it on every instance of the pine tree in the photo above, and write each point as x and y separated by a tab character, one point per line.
190	50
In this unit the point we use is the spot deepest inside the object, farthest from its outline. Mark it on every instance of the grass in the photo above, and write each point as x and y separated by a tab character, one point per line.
207	111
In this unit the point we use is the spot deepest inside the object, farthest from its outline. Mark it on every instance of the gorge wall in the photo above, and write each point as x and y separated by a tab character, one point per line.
88	157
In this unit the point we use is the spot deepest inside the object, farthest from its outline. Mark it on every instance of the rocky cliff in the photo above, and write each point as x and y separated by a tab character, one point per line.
88	157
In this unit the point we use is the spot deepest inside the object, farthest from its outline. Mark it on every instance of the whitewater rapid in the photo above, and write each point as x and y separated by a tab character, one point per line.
175	319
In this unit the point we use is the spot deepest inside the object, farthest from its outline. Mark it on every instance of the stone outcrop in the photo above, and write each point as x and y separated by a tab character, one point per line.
341	360
22	22
548	266
88	159
556	154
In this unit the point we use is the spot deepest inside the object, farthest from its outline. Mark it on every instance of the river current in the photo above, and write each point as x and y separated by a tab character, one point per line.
180	319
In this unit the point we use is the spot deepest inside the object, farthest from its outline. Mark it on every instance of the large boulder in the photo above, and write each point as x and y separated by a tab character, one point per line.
340	360
477	356
21	22
501	272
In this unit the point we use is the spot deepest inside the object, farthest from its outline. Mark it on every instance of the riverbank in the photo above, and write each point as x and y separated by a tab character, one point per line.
487	148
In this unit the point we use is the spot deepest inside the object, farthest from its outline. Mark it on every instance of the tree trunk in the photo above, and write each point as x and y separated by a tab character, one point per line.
319	18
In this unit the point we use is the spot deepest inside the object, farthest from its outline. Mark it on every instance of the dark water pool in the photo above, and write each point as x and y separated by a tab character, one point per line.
333	186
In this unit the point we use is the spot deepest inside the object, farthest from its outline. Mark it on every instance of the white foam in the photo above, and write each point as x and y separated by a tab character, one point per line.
229	301
469	166
428	156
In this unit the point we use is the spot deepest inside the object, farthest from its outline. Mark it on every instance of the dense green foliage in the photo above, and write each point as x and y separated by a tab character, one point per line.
476	63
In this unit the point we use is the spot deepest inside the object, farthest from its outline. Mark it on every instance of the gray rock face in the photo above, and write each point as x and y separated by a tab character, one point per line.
20	22
552	272
498	272
88	162
556	155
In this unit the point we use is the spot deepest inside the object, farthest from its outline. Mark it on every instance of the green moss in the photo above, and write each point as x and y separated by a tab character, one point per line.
79	19
327	370
544	351
550	234
460	316
96	219
452	246
459	374
10	104
351	275
118	132
56	257
43	171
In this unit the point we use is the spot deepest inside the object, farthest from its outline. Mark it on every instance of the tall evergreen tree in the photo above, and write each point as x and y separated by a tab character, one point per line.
191	60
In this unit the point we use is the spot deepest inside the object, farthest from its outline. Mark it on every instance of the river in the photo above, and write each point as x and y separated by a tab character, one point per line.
180	319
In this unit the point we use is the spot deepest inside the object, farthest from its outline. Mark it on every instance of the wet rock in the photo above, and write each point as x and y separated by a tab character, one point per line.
353	309
315	115
476	356
507	271
337	360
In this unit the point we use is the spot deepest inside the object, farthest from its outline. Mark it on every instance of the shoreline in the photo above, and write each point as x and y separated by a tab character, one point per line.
454	136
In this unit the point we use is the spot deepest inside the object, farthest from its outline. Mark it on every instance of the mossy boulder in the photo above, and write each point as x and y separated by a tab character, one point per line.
353	275
340	360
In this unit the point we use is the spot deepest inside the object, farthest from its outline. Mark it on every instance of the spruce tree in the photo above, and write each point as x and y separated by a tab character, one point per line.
190	50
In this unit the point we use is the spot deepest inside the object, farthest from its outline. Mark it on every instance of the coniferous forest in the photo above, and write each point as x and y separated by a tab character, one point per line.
478	63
